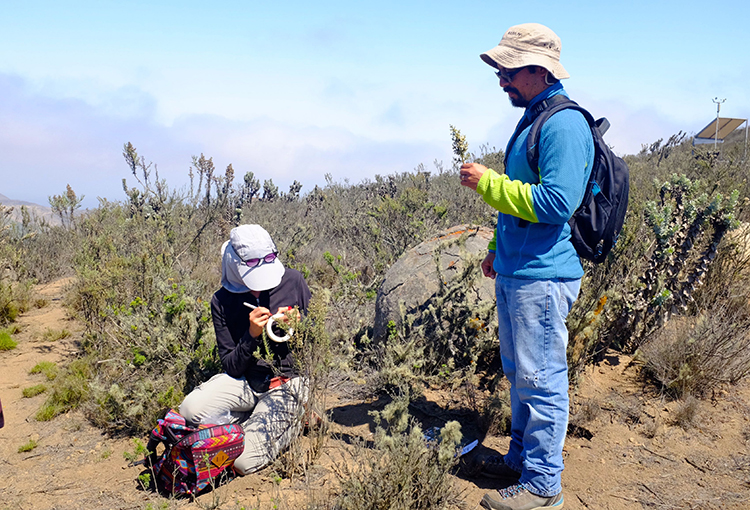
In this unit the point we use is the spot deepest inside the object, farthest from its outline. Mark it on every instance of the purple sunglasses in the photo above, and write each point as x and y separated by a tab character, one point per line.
264	260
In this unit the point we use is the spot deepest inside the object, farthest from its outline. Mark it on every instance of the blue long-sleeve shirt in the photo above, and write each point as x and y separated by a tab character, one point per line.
546	198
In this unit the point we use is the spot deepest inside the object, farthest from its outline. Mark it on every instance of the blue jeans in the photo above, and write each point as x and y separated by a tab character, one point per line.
533	345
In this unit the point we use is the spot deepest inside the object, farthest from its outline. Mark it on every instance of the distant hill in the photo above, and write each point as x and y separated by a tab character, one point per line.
36	210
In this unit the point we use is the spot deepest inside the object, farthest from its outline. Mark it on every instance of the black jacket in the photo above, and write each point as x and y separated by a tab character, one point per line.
232	323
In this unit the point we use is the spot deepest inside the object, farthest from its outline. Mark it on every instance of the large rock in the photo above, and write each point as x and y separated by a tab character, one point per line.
415	278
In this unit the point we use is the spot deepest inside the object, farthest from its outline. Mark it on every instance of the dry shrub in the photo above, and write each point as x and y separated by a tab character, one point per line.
652	427
52	335
694	355
584	412
312	349
686	413
496	415
401	471
742	467
628	407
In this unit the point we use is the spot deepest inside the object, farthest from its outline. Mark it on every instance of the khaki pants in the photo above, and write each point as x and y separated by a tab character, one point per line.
271	420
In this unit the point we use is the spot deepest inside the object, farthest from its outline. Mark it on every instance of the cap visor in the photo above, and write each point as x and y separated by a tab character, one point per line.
262	277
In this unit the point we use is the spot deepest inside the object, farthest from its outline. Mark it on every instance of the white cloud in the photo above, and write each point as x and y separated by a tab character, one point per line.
51	142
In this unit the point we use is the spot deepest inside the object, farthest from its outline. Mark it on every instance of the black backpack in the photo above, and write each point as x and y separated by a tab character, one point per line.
597	222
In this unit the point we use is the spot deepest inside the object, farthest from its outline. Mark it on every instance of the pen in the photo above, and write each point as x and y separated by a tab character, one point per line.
249	305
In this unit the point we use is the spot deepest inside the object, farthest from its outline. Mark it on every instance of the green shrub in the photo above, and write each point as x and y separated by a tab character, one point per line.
14	299
33	391
70	388
8	311
6	341
146	267
51	335
663	259
311	346
48	368
165	347
141	290
27	447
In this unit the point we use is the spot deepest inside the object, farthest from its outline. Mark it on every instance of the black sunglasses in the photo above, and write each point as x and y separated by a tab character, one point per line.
263	260
508	75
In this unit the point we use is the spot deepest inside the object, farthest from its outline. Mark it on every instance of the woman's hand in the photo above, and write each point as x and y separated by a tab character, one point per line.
258	319
289	313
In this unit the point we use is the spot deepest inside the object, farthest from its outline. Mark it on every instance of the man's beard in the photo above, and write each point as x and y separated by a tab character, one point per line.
518	101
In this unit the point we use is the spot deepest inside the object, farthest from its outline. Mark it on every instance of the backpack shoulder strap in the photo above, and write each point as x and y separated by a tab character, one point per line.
532	142
525	122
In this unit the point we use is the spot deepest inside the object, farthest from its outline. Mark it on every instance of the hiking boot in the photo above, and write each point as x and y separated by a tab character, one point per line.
518	497
494	466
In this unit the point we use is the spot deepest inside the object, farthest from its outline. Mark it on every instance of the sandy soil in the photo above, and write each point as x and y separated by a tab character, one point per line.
629	455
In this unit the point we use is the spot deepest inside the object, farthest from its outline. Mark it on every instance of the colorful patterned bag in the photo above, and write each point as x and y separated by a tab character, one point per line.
193	457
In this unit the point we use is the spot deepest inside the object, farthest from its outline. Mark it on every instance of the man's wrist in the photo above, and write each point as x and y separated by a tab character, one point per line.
484	181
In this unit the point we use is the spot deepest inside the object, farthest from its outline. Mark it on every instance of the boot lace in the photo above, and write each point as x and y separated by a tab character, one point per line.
513	490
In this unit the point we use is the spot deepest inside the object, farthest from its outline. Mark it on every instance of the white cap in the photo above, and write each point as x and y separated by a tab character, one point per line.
248	242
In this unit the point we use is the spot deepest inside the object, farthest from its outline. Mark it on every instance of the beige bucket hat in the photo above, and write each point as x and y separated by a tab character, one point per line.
529	44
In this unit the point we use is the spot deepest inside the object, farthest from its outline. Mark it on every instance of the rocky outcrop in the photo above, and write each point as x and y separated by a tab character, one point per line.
418	276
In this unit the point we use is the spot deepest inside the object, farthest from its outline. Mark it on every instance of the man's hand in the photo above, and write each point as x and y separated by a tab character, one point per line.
487	266
258	319
471	173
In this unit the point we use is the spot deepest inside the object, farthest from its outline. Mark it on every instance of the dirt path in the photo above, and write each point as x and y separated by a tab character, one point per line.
73	465
632	456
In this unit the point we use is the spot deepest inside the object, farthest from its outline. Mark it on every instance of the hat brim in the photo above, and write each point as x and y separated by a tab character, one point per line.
263	277
510	58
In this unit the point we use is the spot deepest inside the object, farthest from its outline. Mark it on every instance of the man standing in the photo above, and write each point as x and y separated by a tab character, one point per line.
536	268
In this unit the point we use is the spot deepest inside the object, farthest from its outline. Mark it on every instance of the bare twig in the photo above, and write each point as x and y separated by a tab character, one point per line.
652	492
657	454
634	500
71	485
696	466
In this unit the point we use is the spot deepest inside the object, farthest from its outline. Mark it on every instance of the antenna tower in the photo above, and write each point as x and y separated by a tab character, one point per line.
718	107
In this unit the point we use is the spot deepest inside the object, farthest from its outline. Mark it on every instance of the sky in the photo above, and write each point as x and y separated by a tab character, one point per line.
296	90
